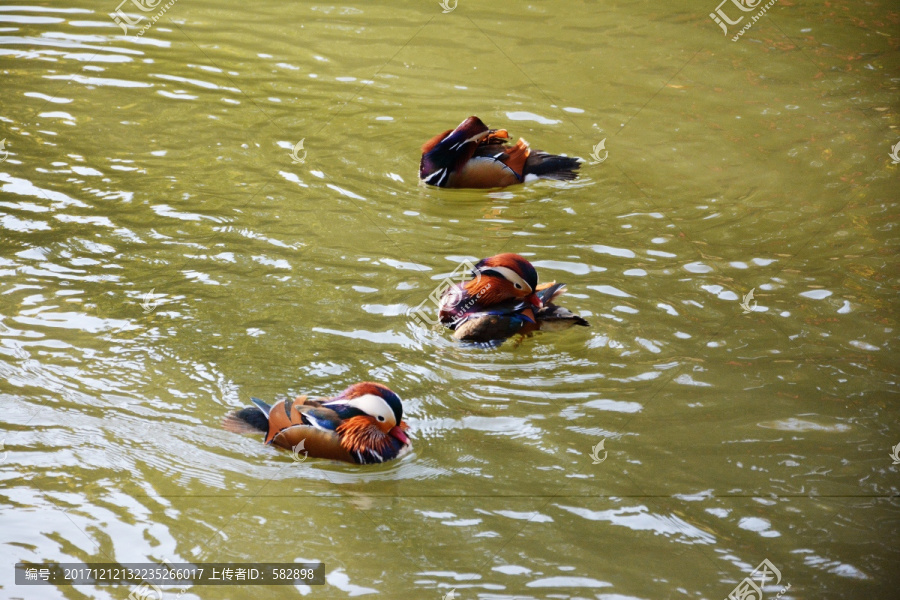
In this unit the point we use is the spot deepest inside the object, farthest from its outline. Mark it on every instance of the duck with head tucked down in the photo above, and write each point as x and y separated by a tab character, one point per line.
362	425
474	156
502	299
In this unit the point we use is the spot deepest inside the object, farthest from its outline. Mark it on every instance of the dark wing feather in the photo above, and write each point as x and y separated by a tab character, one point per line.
552	317
551	166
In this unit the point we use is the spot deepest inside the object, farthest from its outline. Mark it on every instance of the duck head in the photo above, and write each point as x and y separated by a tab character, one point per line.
504	277
448	151
372	418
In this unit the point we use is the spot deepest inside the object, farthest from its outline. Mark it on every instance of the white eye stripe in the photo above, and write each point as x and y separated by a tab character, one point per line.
372	405
511	276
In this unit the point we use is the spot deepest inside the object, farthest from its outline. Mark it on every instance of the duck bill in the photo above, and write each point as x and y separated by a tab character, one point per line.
535	301
398	433
501	134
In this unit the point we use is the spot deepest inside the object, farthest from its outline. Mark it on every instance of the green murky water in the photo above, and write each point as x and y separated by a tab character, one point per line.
163	164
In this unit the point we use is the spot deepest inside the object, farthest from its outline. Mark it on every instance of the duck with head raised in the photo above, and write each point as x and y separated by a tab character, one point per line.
502	299
362	425
474	156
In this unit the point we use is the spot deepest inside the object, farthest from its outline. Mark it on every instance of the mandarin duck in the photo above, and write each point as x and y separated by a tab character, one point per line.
473	156
504	299
362	425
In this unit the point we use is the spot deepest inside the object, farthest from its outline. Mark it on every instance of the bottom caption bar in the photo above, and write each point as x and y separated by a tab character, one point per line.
170	573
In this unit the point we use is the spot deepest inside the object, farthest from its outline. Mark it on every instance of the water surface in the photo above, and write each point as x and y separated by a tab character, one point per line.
162	165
